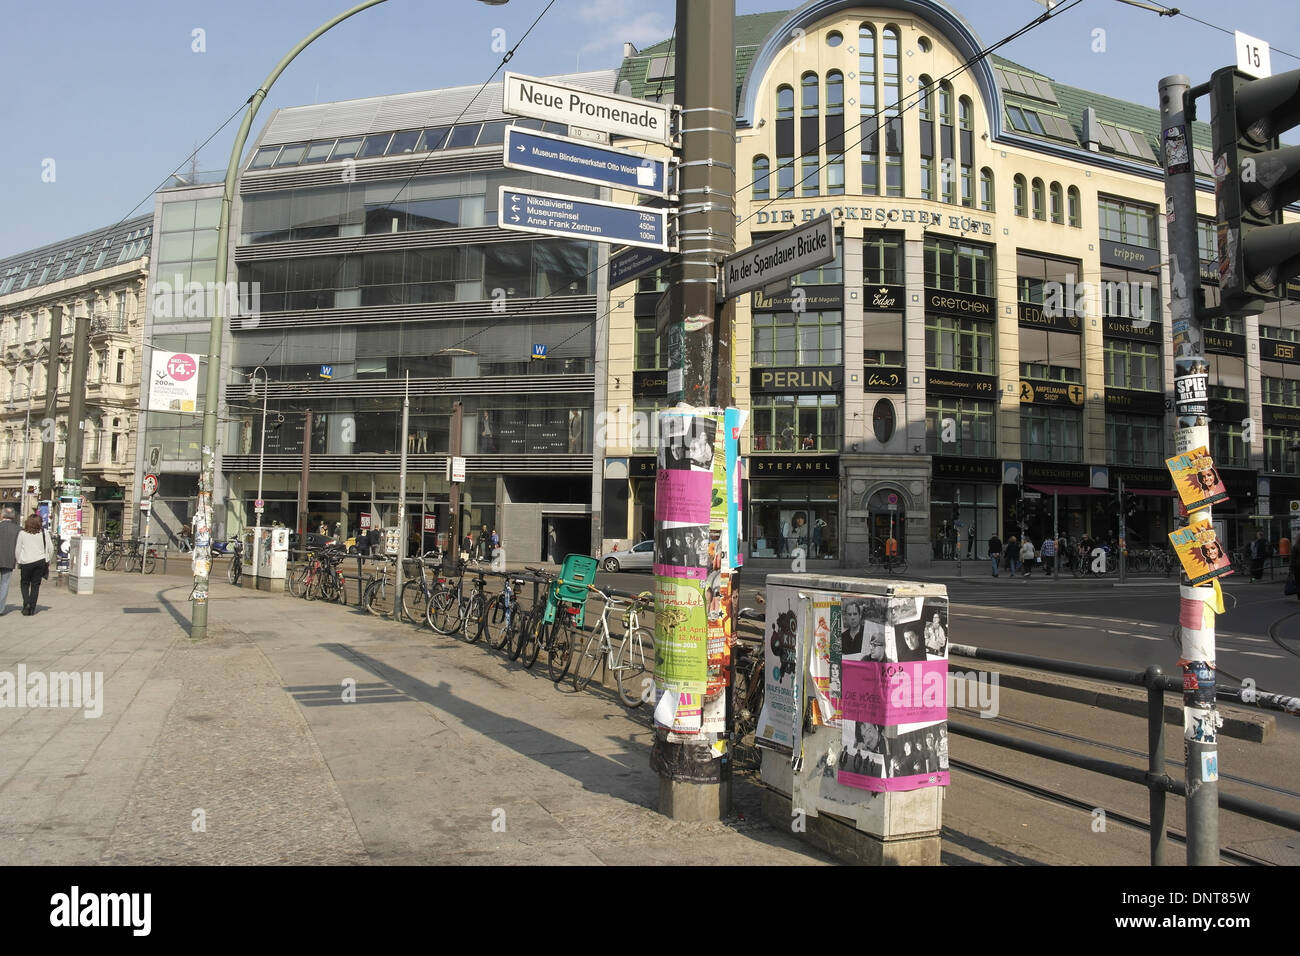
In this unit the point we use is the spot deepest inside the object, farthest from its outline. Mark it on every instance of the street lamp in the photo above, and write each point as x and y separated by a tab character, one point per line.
27	426
261	452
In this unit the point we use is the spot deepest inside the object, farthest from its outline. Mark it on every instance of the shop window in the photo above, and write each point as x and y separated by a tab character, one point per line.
796	423
1134	440
1051	434
1132	365
959	426
958	344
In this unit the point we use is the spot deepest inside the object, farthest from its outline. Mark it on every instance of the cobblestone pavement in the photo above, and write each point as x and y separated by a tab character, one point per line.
243	748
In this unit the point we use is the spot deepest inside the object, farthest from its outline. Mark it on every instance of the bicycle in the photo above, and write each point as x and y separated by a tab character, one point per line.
502	615
140	555
417	592
531	619
747	683
235	573
893	564
627	658
111	555
450	611
374	594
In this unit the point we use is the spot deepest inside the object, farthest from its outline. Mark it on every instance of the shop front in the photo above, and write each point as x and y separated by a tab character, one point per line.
1070	499
1235	519
794	502
1154	503
963	505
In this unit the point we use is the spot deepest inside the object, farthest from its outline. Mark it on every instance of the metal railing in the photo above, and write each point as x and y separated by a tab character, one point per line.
1158	783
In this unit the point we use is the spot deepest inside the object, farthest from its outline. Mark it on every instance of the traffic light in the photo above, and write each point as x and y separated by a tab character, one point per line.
1130	504
1254	179
956	512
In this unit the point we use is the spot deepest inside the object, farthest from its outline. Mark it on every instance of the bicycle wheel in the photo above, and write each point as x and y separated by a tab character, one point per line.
496	621
560	655
232	574
522	627
150	562
629	668
443	612
414	602
588	661
537	636
472	627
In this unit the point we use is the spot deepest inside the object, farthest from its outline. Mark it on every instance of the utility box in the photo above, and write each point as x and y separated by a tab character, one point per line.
267	558
854	724
81	565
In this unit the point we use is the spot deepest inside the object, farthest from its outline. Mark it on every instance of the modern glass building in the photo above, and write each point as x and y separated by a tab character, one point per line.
367	250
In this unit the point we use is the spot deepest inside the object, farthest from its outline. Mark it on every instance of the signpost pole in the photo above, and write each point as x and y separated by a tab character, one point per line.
1201	719
692	784
401	502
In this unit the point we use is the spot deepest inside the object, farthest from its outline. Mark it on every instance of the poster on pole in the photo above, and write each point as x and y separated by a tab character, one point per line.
1197	480
1202	555
780	723
174	382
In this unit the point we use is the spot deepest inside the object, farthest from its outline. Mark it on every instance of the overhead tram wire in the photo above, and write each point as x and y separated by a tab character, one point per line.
1176	12
1033	24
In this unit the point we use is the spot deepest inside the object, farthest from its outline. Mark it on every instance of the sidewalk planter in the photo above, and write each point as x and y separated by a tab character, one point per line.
854	722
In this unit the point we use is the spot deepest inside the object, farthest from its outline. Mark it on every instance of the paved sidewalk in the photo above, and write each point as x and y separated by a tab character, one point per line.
242	749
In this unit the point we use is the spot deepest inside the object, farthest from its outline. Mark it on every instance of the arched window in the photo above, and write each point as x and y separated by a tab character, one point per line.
947	145
811	94
834	133
810	178
785	102
867	69
925	105
1058	205
986	189
761	179
1038	197
1019	197
893	120
883	420
1073	196
965	113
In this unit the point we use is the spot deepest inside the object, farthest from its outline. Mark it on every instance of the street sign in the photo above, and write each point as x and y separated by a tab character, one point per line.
259	505
456	469
149	486
539	351
145	504
556	215
588	109
1032	495
1254	56
794	251
571	159
327	371
634	263
1295	508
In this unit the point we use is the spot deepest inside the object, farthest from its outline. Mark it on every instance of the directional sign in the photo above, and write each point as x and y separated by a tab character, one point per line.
634	263
578	106
571	159
556	215
797	250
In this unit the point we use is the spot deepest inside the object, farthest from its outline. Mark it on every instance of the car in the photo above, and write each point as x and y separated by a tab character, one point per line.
641	557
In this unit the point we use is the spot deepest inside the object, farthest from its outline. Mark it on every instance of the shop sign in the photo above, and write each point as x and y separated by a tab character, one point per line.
650	384
960	383
1032	315
959	303
1051	393
884	379
641	467
882	298
1280	415
1272	350
1048	473
1119	327
811	298
794	466
953	468
1125	400
1228	343
1130	257
828	378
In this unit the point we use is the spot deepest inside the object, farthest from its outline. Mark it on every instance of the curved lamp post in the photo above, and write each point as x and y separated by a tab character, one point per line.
211	395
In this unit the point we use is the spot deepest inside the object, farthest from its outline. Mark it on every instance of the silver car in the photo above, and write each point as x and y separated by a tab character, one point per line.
640	558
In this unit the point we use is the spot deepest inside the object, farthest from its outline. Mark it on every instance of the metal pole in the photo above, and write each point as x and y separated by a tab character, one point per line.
303	506
1056	534
401	501
1156	761
692	786
261	451
1121	541
51	404
1201	719
453	497
27	436
959	535
212	394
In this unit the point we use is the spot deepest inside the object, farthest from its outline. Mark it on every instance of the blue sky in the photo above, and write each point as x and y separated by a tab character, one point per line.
117	97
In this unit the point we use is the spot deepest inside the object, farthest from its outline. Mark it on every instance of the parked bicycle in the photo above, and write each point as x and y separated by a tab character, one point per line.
235	574
451	610
625	654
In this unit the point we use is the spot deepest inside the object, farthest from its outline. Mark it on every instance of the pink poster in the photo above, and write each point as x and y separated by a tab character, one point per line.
901	693
683	496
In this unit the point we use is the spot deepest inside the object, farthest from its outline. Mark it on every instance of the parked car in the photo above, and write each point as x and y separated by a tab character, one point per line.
640	558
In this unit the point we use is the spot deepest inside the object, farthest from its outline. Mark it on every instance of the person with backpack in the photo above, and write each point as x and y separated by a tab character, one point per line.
995	551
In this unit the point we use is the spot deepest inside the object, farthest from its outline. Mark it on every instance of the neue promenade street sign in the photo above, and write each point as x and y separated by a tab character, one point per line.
765	263
550	214
587	109
573	159
633	263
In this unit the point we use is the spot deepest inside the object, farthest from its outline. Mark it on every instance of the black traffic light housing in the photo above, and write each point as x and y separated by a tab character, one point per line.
1254	179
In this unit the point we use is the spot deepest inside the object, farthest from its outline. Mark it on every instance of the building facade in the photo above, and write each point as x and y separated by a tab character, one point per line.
99	276
990	351
366	252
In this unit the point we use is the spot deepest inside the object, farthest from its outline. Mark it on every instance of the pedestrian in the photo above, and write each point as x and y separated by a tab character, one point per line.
34	553
8	540
1027	555
496	540
1260	551
1048	554
1012	554
970	541
995	551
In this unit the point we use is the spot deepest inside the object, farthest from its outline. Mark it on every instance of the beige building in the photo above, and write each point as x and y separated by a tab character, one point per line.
100	275
992	343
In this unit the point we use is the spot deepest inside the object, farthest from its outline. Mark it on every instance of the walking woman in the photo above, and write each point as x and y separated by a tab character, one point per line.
33	552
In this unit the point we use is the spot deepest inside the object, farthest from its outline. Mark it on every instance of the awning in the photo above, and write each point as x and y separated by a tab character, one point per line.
1158	492
1067	490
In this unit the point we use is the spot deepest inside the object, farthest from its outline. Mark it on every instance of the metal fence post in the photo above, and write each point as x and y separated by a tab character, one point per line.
1156	761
